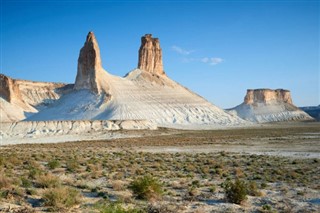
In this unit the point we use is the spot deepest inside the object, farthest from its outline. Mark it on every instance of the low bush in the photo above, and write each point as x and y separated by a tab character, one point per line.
72	165
235	192
47	181
146	188
25	182
53	164
61	198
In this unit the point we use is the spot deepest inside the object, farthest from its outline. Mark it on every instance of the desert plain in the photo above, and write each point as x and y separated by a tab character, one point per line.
279	165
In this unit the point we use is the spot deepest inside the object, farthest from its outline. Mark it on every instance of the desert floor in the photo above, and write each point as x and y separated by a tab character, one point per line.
279	165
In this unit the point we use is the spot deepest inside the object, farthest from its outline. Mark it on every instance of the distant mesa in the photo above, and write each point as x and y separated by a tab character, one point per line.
267	105
150	55
267	96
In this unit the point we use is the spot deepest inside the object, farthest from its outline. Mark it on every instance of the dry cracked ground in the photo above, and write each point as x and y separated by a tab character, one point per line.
271	168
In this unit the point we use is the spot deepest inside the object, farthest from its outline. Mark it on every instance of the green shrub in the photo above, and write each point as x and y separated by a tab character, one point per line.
25	182
53	164
236	191
212	188
195	183
61	198
34	172
72	165
48	181
146	187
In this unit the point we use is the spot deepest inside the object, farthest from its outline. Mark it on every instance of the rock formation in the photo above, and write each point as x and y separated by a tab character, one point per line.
89	66
150	55
267	96
19	98
144	94
9	90
266	105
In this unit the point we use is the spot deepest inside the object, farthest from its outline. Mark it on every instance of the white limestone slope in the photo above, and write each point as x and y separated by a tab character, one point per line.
10	112
20	98
140	96
269	112
61	131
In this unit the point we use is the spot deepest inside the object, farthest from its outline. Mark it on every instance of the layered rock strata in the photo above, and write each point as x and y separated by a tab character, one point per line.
89	66
150	55
266	105
9	89
267	95
20	98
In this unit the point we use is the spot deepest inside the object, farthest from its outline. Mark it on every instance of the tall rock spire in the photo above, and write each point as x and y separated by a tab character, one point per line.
89	65
150	55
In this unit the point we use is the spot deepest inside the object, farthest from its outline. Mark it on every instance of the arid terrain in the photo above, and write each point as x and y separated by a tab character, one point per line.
184	171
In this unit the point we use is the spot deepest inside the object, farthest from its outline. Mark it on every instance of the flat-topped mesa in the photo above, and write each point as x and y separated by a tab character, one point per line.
267	96
150	55
89	65
8	89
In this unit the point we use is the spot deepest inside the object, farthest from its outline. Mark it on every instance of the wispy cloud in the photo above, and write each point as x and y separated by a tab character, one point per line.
187	59
181	50
206	60
211	61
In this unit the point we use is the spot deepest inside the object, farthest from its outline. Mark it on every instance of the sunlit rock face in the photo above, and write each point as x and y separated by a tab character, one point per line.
267	96
89	66
150	55
267	105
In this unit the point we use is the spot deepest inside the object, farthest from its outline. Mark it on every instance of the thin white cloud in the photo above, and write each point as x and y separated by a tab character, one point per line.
181	50
211	61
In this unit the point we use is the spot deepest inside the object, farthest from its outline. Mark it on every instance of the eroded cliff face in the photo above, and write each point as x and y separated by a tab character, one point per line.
20	97
267	96
150	55
9	90
89	66
266	105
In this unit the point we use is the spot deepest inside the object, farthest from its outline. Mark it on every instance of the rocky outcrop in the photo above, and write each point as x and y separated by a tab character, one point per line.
266	105
267	96
89	66
150	55
9	90
19	98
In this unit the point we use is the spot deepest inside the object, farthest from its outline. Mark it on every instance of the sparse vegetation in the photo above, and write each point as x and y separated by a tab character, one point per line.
44	176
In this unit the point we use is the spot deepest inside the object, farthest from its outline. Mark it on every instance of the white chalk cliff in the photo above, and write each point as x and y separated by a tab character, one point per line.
145	93
21	98
266	105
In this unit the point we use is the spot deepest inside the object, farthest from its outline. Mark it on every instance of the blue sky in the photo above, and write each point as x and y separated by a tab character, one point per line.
216	48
